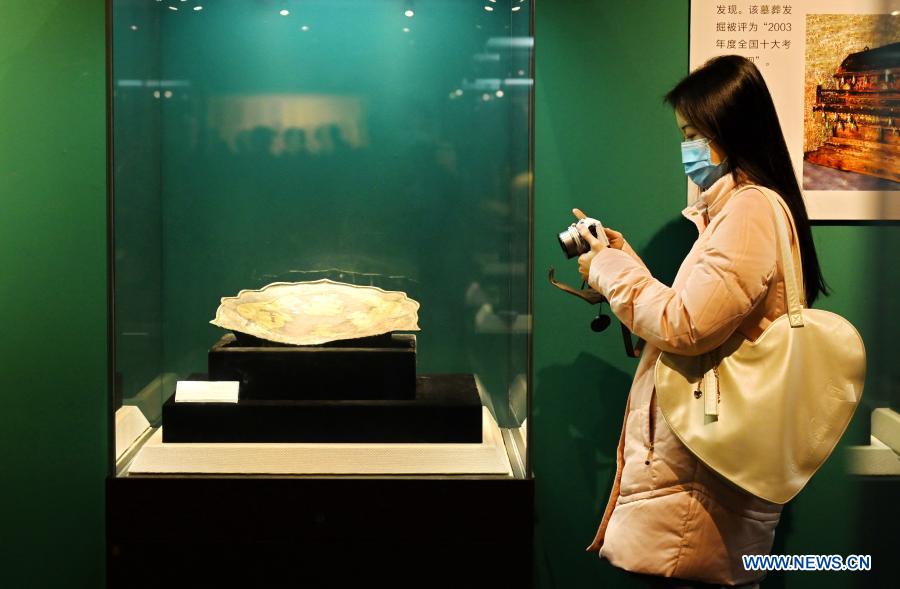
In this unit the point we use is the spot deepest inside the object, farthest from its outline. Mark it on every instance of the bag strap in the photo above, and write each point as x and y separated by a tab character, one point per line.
792	275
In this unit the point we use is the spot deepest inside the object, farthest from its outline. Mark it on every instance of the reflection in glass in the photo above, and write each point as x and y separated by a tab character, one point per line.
362	141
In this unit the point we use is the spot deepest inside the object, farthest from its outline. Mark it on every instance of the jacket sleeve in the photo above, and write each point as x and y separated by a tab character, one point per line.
626	247
730	277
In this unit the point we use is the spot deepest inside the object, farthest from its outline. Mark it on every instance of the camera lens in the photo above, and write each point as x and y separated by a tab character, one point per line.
571	242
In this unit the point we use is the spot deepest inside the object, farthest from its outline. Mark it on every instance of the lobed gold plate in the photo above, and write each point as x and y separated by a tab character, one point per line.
316	312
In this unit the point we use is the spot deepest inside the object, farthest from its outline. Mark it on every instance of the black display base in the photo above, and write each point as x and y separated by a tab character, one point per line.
382	367
327	533
446	408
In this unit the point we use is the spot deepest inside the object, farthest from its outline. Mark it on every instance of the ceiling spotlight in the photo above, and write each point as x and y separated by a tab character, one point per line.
198	8
499	93
173	8
304	28
168	94
284	12
134	27
489	8
409	13
405	29
516	8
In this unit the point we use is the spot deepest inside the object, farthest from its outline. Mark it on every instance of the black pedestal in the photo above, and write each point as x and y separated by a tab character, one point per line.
446	408
382	367
262	532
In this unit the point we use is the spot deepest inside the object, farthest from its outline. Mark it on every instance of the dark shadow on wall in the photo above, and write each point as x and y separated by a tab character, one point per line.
595	394
580	422
667	248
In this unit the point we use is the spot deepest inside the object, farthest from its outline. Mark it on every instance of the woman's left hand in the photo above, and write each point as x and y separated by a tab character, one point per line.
585	259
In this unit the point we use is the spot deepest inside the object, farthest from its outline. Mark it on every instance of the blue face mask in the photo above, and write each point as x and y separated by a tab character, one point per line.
698	166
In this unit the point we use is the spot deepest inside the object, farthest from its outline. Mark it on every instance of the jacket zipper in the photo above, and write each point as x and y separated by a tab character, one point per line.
651	414
652	426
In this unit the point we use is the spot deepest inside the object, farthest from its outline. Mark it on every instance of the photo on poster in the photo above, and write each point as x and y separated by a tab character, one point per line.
851	114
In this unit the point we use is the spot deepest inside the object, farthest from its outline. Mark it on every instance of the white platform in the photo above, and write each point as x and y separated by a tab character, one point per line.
489	457
130	425
882	455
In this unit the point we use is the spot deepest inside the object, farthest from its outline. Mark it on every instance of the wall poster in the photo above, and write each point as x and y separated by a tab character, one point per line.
833	68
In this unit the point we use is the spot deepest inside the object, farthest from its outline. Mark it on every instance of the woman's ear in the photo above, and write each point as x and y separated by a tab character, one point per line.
715	154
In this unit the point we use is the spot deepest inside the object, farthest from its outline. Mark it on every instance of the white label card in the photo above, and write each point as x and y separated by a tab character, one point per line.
202	391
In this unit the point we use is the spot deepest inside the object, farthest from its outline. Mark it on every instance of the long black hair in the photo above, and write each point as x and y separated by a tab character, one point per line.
728	101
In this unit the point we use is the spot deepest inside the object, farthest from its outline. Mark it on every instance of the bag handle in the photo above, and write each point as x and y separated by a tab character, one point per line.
792	278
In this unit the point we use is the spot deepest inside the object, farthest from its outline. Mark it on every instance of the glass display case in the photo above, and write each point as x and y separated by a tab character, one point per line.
375	143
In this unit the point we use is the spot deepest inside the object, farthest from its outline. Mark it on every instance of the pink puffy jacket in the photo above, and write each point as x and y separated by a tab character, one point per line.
667	513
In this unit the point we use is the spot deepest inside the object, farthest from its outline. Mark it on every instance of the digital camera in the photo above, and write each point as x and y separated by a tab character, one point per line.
573	244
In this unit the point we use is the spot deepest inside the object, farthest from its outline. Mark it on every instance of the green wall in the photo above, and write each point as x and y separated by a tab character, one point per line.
604	142
53	290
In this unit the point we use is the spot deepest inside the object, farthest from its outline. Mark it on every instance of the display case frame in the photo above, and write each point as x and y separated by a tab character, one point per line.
492	513
517	439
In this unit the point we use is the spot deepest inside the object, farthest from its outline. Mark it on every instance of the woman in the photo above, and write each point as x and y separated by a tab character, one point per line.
669	519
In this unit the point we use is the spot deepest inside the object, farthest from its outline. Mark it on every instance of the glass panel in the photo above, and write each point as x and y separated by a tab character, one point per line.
373	142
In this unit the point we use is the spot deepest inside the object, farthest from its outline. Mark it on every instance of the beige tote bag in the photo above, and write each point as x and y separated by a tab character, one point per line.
766	414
